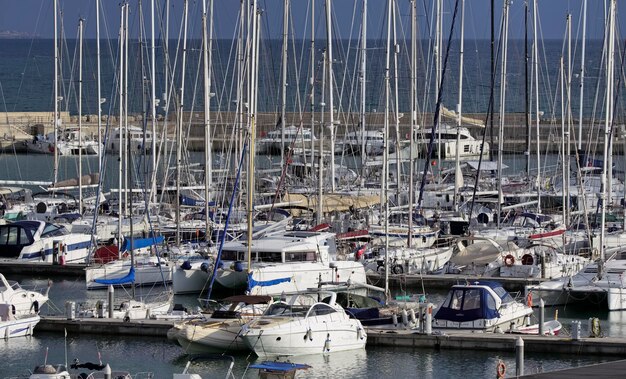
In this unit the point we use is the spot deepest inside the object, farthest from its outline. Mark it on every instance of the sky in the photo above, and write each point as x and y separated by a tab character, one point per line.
35	17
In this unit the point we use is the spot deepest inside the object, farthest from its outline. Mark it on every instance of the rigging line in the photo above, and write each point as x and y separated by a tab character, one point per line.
244	152
487	117
438	106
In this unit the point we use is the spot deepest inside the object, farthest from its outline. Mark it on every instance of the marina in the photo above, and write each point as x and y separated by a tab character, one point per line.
198	189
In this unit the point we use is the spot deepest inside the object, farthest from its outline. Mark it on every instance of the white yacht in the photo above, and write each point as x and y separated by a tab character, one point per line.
445	143
372	140
39	241
139	140
220	332
12	325
68	143
23	301
304	326
600	282
481	306
285	262
294	137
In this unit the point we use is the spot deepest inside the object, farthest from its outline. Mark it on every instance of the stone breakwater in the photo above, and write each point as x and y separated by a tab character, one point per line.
16	128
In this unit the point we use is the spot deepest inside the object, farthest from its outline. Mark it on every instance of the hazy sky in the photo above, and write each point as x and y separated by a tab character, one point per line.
35	17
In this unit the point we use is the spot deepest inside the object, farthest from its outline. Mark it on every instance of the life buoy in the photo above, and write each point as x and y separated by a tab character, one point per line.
397	269
509	260
501	370
527	260
529	299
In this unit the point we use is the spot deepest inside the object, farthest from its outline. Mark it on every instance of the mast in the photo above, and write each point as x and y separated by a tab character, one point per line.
320	168
363	83
284	83
504	37
413	116
208	151
458	176
100	100
396	52
536	74
153	100
331	107
607	122
121	129
312	84
568	109
55	123
493	78
179	127
80	115
582	78
252	119
526	94
385	185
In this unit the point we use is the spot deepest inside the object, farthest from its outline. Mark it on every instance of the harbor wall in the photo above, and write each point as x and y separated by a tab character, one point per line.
17	127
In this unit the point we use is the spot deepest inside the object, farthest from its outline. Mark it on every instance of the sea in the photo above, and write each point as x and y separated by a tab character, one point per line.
26	77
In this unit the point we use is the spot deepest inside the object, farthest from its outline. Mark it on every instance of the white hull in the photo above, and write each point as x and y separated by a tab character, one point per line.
206	336
19	327
146	272
292	337
192	280
301	276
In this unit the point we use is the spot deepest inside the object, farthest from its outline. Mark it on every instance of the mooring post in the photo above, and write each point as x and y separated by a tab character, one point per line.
519	357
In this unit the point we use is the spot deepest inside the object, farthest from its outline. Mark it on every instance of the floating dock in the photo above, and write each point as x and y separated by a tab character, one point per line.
398	337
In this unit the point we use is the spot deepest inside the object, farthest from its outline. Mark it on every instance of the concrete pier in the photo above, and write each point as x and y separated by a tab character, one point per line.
397	338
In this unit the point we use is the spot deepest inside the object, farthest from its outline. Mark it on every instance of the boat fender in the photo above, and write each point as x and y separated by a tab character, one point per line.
394	319
405	317
308	335
126	318
397	269
359	332
529	299
501	370
186	265
327	343
43	254
204	267
412	316
509	260
238	266
35	306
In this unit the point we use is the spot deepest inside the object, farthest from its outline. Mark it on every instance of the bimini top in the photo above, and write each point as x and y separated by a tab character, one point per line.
471	302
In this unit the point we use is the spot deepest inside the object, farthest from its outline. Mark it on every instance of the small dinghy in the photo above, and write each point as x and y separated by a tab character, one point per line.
550	328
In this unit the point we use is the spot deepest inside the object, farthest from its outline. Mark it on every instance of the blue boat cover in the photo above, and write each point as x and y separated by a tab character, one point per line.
265	283
129	278
279	366
139	243
470	303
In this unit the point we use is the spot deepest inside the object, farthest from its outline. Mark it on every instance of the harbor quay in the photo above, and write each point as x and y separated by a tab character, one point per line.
409	338
17	128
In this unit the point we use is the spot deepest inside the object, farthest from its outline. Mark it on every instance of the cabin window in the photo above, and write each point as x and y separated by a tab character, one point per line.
456	300
300	256
270	256
320	310
231	256
11	236
472	300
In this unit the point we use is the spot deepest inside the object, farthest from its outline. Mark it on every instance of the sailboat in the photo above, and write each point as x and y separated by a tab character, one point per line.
602	280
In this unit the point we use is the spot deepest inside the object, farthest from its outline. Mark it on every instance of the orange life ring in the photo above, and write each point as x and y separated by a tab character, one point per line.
529	299
501	370
509	260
